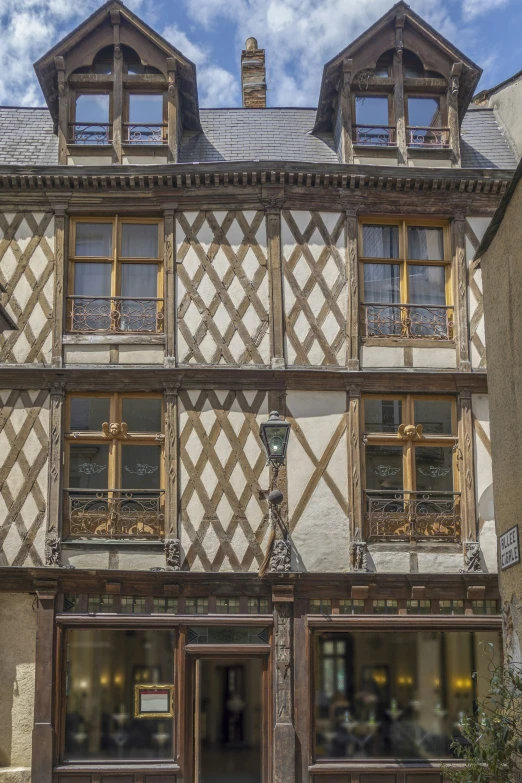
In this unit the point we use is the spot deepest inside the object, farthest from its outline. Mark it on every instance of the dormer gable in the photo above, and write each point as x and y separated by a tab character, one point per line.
400	88
118	91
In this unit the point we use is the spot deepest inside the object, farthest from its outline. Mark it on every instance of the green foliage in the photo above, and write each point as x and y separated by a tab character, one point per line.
490	744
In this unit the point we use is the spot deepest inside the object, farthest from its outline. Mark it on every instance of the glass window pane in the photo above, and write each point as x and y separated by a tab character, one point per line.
425	244
384	467
103	667
424	113
89	465
380	241
140	467
139	240
397	695
427	285
89	413
382	283
146	109
142	414
371	110
94	240
434	468
92	108
382	415
92	279
434	415
139	280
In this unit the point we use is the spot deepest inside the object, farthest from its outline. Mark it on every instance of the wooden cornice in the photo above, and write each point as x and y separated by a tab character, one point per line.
154	378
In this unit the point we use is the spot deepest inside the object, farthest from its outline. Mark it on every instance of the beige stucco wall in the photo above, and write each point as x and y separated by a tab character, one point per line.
502	275
17	660
507	104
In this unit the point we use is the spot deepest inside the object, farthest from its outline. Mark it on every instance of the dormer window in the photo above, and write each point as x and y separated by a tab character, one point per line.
372	118
146	119
92	121
424	122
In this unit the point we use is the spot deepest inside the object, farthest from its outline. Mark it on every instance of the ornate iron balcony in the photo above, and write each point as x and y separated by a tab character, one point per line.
404	515
374	135
409	321
114	314
427	137
90	133
115	513
144	134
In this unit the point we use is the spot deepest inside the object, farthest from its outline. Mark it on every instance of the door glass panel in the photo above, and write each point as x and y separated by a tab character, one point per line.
140	468
434	415
229	718
227	635
380	241
434	468
425	244
103	667
139	283
92	109
142	414
94	240
384	468
382	415
139	240
397	695
89	465
89	413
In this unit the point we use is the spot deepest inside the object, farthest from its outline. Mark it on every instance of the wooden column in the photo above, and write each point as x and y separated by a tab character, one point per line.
169	293
60	254
277	340
398	95
352	276
466	467
173	110
63	110
345	105
453	113
284	731
43	729
460	292
354	460
117	90
302	700
171	460
55	479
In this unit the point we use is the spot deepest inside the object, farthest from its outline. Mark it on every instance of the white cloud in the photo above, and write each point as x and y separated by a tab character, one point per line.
177	38
473	8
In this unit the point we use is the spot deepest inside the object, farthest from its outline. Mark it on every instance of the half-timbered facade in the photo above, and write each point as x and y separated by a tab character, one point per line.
174	607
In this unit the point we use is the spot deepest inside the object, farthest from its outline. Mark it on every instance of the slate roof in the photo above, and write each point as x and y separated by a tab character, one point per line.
27	138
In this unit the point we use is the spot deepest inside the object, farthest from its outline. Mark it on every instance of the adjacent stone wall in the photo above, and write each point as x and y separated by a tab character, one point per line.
17	663
24	437
484	480
27	276
475	230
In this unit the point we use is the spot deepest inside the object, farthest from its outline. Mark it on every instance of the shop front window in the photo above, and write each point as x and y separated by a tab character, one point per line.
399	695
118	700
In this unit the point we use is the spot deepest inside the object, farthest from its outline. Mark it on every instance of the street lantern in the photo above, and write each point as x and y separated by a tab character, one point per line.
274	437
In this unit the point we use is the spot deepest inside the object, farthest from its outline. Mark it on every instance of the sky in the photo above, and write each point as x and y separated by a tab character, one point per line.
299	37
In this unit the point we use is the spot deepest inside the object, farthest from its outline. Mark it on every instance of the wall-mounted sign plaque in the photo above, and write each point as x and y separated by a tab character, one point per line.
509	548
153	701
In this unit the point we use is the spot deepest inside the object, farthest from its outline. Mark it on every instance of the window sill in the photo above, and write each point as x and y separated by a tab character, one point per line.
381	765
118	338
424	545
142	767
90	147
417	342
386	150
87	543
445	153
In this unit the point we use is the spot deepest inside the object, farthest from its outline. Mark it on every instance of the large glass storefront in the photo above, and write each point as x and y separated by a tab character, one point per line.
398	694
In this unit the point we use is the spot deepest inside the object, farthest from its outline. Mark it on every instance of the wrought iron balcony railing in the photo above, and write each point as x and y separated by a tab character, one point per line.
145	134
90	133
114	314
374	135
427	137
434	322
400	514
115	513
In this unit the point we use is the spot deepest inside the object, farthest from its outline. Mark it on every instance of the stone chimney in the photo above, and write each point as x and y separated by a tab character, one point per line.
253	76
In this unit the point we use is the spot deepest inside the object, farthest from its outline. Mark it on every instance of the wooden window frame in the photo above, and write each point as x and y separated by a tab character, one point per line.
90	90
114	476
131	90
409	446
403	262
441	96
392	119
116	259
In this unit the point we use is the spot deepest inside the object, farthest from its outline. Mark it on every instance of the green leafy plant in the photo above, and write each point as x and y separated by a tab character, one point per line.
490	743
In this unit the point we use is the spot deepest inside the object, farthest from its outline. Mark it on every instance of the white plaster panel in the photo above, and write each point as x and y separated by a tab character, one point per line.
389	562
318	494
488	546
432	163
141	354
89	160
364	160
82	558
140	561
374	356
440	562
87	354
145	160
479	225
442	358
